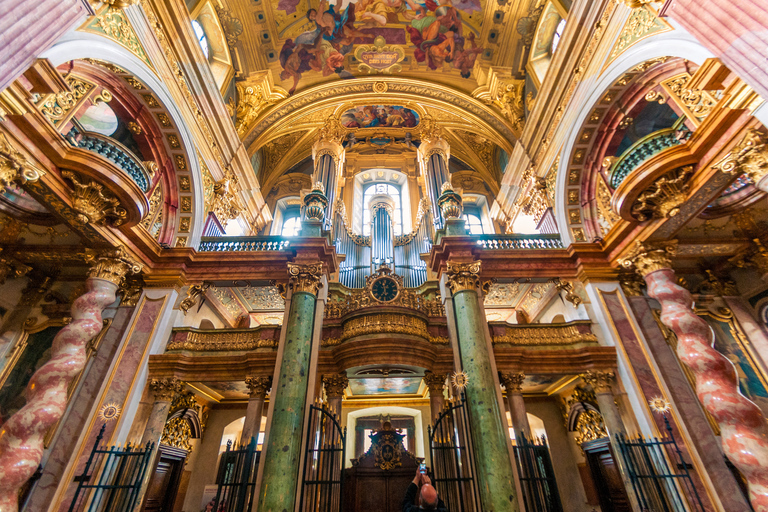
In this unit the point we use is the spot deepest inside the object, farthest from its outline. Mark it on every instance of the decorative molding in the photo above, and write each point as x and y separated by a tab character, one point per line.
430	131
231	26
505	93
305	278
568	288
435	382
650	257
662	199
253	97
164	390
222	341
93	203
642	23
331	131
177	433
14	166
513	381
259	386
463	276
385	323
600	381
335	385
695	103
225	204
543	335
57	107
750	157
113	266
114	24
194	292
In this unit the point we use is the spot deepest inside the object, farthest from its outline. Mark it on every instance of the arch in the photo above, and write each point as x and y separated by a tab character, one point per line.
669	44
371	411
80	45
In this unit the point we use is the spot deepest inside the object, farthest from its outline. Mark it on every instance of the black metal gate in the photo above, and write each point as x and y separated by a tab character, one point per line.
537	476
120	475
322	477
236	478
651	467
453	464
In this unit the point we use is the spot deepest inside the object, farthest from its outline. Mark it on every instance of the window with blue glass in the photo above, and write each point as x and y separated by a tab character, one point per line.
291	223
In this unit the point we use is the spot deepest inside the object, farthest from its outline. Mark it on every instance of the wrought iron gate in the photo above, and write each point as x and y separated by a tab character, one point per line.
453	464
323	473
651	465
537	476
236	478
120	475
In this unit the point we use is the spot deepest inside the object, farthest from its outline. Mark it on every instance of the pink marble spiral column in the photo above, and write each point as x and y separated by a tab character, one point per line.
21	437
743	427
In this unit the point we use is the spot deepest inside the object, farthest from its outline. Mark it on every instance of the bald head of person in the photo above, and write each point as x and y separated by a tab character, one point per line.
428	497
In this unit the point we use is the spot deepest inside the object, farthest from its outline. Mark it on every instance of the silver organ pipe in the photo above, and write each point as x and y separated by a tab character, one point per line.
408	249
382	231
357	248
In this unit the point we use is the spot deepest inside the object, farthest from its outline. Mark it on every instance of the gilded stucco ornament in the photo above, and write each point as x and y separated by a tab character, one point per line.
164	390
93	203
567	286
430	131
663	198
599	380
750	157
194	293
463	276
113	265
259	385
650	257
450	202
253	97
331	131
225	204
305	278
512	381
14	167
335	384
315	203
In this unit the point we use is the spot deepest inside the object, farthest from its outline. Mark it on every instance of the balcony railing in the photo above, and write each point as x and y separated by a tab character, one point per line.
243	243
114	152
574	333
519	241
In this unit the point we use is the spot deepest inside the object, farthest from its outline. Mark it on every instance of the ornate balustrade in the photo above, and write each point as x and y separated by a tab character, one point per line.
645	148
243	243
572	333
519	241
115	152
223	340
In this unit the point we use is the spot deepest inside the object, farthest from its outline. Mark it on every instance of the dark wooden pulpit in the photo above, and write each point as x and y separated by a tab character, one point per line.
377	481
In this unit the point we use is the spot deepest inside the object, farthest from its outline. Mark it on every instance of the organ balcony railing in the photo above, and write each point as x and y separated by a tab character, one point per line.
243	243
650	145
115	152
522	242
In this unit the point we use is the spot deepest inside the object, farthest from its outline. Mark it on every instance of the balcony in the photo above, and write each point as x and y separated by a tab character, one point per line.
502	242
243	243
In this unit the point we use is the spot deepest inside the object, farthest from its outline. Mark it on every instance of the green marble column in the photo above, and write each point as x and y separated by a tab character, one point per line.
495	477
282	454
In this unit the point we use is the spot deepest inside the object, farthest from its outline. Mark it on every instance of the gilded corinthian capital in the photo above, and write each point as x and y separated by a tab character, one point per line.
335	384
259	385
435	382
600	381
14	166
650	257
463	276
305	278
165	389
113	266
750	157
513	381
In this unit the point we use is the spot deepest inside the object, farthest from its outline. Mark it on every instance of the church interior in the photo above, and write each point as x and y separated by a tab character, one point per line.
267	257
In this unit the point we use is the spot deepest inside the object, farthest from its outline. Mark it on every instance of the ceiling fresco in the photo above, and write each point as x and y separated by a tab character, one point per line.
342	39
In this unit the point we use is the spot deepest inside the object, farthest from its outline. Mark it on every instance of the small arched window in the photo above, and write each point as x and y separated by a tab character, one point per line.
557	35
392	191
291	224
473	223
201	38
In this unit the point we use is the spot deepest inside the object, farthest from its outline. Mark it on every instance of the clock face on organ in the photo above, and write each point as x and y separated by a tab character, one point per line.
384	289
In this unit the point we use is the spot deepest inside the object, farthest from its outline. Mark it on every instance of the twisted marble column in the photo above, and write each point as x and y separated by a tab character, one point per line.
436	384
334	390
513	383
21	437
258	386
744	432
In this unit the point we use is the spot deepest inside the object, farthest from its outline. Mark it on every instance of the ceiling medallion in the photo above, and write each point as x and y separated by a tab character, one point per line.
380	87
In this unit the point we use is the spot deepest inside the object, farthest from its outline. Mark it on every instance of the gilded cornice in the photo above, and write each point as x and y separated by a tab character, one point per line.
543	335
335	385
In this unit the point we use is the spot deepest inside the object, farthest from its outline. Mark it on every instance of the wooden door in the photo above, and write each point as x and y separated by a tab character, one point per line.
164	483
605	474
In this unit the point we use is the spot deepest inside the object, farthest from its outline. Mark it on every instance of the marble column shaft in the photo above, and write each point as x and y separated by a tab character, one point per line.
259	386
495	475
513	382
282	454
164	390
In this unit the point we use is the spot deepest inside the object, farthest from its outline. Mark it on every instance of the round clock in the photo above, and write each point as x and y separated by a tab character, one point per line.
384	289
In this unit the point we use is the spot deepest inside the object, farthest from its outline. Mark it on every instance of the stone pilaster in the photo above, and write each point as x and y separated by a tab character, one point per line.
436	384
163	391
334	390
513	383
